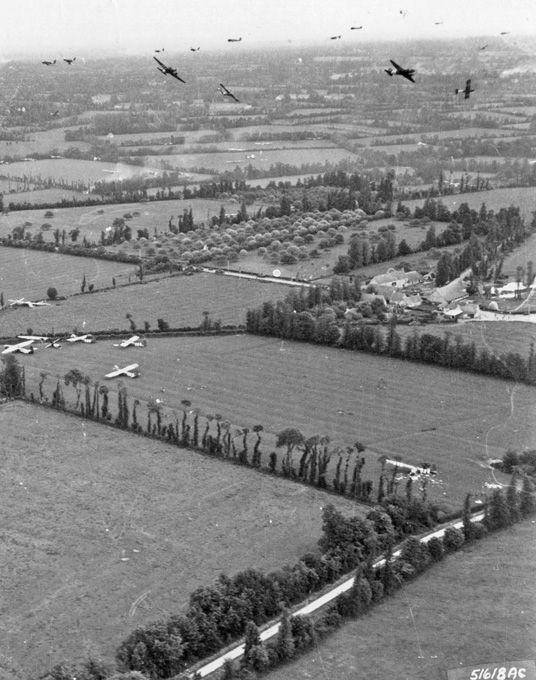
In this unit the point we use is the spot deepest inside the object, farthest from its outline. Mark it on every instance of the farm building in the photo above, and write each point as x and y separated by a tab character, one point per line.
397	278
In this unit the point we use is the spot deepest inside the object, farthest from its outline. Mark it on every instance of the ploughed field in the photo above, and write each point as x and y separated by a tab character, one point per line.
30	273
104	531
475	608
179	300
395	408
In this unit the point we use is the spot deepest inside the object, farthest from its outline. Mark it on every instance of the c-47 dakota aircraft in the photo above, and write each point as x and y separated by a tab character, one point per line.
131	371
168	70
23	347
21	302
399	71
88	338
134	341
227	93
466	90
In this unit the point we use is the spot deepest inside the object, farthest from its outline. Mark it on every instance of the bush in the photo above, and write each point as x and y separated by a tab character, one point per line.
435	548
377	590
453	539
479	530
52	293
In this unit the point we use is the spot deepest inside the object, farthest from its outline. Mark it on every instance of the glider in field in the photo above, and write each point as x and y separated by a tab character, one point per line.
48	63
168	70
131	371
134	341
35	338
21	302
399	71
227	93
23	347
466	90
55	343
87	338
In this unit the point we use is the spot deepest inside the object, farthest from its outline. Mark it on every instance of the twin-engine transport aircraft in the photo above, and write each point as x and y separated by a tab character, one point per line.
21	302
466	90
88	338
46	62
227	93
168	70
131	371
23	347
134	341
399	71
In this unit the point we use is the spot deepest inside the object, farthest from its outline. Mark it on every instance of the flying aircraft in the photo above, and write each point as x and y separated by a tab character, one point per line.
437	23
131	371
194	49
134	341
404	72
335	37
48	63
466	90
21	302
168	70
356	28
161	50
234	39
23	347
504	32
227	93
483	47
69	61
54	114
87	338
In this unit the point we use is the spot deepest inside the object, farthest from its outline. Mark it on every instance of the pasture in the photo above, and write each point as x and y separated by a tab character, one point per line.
104	531
179	300
265	157
525	253
40	196
45	141
29	273
422	413
475	607
92	220
72	170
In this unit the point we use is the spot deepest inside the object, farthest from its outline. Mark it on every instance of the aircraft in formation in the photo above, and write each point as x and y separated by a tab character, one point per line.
356	28
130	371
400	71
160	50
194	49
69	61
168	70
134	341
227	93
466	90
234	39
23	347
48	63
22	302
87	338
335	37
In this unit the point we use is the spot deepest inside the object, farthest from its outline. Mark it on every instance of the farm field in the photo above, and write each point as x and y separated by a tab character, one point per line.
29	274
92	220
40	196
494	199
49	141
223	160
498	337
440	134
475	607
179	300
521	255
71	170
423	413
105	531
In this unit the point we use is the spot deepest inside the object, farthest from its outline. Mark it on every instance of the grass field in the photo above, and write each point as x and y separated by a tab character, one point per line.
423	413
104	531
71	170
227	160
29	273
179	300
46	141
91	220
40	196
475	608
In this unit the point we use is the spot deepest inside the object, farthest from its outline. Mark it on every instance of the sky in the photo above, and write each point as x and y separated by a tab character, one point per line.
62	27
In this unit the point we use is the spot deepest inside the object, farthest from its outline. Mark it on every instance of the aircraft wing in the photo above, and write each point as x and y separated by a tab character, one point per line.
398	68
158	60
114	374
408	76
43	338
176	75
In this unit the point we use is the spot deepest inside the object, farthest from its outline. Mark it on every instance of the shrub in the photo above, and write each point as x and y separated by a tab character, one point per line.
377	590
52	293
479	530
435	548
453	539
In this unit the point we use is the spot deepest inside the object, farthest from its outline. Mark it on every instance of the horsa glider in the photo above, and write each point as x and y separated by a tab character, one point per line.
466	90
87	338
134	341
227	93
21	302
23	347
131	371
69	61
48	63
399	71
168	70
